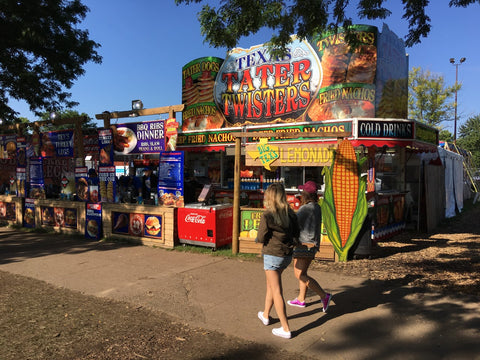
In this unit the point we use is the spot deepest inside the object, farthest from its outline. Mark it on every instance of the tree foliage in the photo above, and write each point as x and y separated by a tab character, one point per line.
469	138
445	135
42	53
428	97
233	19
66	114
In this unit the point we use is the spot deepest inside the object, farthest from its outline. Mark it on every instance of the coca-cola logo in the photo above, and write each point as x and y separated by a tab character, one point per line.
195	218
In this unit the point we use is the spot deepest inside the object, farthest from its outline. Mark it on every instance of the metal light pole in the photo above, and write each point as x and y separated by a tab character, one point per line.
453	62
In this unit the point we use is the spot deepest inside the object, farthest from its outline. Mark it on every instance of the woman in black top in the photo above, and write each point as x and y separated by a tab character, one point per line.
277	231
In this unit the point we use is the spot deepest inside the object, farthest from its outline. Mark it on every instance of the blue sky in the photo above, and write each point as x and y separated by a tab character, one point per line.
145	43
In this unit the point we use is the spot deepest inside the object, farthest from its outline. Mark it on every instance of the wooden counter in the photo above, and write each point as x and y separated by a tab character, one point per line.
11	209
128	221
61	215
249	220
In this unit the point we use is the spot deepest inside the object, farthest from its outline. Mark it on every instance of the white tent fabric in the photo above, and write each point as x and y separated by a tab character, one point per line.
453	164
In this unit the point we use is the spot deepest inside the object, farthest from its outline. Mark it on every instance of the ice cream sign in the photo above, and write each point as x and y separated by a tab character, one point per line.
253	86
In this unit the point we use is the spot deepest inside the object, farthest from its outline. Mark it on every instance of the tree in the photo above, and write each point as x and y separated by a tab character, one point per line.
445	135
42	52
469	138
65	114
428	97
223	27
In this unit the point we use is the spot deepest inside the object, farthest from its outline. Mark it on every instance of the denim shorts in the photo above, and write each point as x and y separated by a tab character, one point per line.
271	262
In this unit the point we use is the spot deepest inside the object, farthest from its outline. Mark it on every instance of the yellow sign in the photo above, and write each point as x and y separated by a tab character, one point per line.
264	154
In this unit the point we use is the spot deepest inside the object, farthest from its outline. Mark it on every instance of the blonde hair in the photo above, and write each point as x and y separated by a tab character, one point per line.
275	201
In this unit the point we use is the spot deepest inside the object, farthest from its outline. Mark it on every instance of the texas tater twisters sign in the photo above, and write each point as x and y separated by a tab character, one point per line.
267	155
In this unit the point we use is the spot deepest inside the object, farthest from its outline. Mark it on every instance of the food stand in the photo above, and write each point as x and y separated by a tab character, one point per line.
320	91
131	215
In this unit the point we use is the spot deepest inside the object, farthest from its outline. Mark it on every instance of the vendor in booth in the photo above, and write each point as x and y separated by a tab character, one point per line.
149	185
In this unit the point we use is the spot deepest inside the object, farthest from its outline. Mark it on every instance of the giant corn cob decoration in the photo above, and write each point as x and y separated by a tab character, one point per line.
344	207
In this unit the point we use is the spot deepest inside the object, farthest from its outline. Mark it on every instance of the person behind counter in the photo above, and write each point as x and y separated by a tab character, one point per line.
277	231
310	220
149	185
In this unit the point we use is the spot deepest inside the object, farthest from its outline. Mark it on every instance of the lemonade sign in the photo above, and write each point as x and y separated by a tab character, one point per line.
250	219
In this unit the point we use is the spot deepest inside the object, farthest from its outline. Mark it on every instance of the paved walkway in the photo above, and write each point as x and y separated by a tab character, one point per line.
366	319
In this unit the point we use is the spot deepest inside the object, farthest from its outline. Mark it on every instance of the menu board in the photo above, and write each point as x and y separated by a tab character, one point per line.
139	138
170	178
37	185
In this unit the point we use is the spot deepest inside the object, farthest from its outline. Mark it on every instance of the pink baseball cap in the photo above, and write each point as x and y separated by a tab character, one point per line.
309	186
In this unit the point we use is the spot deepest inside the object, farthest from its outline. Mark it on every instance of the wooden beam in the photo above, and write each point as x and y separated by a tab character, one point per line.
144	112
291	135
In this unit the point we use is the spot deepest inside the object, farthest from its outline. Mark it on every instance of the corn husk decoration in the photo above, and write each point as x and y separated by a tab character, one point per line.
344	206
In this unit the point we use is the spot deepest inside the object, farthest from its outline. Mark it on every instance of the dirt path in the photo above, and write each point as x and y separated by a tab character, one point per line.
40	321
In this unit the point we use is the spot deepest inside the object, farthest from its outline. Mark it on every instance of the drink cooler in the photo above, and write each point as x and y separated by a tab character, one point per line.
209	226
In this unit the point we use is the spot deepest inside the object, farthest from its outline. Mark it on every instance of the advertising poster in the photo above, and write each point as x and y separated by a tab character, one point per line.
93	228
137	225
37	185
105	146
138	138
29	213
254	88
348	75
170	178
81	183
21	181
120	223
47	215
250	219
91	146
106	183
7	211
57	143
198	81
9	146
153	226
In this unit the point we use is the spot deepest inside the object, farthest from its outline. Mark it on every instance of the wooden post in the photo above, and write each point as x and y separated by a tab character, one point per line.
236	196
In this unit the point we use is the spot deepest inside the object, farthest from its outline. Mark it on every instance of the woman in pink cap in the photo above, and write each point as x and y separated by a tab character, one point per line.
309	219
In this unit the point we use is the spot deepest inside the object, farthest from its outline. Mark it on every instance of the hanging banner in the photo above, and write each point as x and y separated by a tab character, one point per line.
105	146
107	183
81	183
170	178
37	184
9	146
29	213
198	81
139	138
57	143
93	228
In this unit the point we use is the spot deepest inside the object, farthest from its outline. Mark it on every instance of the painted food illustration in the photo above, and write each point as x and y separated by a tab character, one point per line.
136	224
124	140
92	228
152	225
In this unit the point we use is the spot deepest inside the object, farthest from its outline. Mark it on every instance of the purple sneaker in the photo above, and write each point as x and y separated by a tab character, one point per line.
296	302
326	301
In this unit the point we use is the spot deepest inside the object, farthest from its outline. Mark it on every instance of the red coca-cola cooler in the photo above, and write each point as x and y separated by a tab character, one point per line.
205	225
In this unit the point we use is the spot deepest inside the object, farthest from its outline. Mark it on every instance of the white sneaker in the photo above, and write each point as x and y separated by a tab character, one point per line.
262	319
282	333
